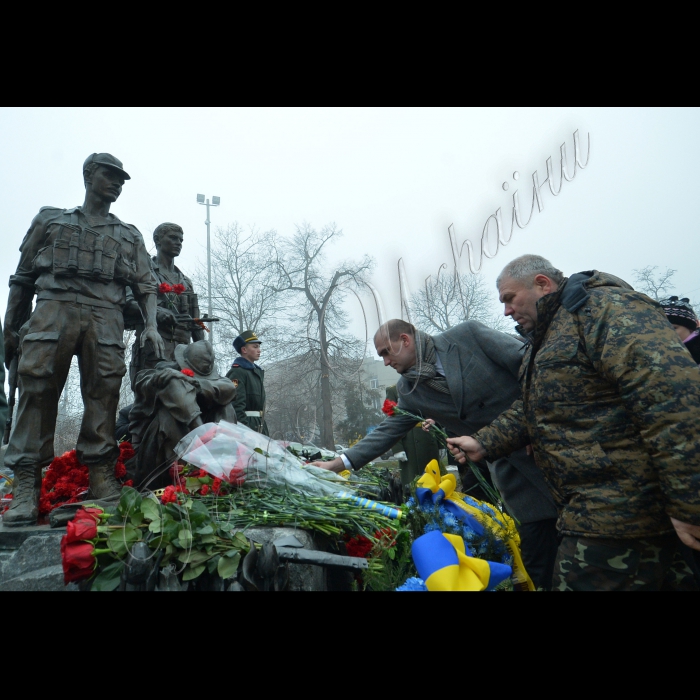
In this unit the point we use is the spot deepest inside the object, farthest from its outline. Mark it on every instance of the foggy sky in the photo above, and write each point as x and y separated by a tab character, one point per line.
392	179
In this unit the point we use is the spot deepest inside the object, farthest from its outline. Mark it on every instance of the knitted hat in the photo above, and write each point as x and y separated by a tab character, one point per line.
680	312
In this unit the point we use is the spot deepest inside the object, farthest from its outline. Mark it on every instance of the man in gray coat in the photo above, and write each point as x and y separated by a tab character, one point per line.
464	378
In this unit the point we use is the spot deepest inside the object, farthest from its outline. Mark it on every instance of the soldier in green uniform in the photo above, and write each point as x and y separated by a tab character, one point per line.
78	262
248	378
420	447
178	305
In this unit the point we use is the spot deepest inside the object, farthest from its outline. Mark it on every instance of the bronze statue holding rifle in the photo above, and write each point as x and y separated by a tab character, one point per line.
178	316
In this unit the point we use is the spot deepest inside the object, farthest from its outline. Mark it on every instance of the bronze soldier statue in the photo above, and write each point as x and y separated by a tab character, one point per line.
78	262
171	400
176	310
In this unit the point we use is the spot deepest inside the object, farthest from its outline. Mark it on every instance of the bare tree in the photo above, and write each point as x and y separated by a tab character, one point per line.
653	284
245	295
449	299
301	268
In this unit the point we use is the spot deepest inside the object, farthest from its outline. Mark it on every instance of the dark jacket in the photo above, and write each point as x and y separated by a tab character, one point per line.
420	447
250	393
481	367
611	405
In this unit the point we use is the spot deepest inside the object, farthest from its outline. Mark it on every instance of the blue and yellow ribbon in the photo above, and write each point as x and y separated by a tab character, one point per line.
388	511
432	488
443	563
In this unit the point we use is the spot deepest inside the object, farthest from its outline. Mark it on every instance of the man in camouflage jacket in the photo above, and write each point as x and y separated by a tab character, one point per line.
611	406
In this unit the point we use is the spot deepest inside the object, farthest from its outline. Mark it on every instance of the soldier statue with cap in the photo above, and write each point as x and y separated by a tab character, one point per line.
178	306
79	262
248	378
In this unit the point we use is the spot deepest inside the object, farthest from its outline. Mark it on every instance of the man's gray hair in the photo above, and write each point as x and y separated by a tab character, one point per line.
525	268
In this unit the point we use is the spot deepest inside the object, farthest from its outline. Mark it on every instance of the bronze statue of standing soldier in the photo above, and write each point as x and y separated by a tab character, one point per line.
178	306
79	262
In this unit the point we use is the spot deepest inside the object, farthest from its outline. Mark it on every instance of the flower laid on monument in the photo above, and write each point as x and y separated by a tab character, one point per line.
459	542
66	480
79	551
187	372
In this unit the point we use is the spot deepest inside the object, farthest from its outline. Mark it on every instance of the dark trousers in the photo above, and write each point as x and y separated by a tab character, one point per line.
538	547
58	330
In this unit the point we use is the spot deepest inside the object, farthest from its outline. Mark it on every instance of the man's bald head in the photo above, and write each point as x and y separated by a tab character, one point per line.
395	342
391	330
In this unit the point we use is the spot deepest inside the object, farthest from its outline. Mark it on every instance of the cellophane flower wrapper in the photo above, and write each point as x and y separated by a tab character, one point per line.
227	450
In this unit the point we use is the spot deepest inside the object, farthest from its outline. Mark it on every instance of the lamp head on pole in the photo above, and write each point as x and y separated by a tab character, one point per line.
200	199
215	201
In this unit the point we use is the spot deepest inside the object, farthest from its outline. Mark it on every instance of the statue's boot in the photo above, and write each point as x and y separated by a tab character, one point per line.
103	483
104	491
24	509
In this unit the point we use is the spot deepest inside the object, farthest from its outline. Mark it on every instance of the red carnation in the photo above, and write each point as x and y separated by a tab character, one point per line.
126	451
79	530
236	476
119	470
359	546
164	288
188	372
216	486
202	473
210	434
389	407
78	560
178	288
204	490
169	495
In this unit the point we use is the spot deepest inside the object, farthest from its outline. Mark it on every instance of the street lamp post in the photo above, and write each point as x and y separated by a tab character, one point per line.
215	201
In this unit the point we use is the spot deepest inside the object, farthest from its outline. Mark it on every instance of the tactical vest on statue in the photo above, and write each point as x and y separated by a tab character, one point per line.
79	251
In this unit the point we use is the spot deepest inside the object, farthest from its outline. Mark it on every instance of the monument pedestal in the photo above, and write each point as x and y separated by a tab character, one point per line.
30	559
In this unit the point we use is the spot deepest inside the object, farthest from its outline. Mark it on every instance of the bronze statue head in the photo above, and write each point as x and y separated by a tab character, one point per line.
104	175
199	357
168	239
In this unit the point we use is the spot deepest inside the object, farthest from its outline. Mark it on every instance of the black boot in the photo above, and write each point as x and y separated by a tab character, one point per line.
24	509
103	483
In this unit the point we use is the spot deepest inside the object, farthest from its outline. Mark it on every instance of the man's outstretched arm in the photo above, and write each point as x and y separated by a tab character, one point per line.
370	447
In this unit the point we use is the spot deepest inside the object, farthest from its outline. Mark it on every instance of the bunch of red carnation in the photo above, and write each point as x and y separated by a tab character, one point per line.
361	546
67	480
207	484
165	288
358	546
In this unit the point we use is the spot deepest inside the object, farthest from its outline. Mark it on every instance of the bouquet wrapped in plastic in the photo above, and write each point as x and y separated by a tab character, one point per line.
236	453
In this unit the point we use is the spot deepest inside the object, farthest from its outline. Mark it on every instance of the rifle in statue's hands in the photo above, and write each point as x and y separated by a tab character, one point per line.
193	324
12	381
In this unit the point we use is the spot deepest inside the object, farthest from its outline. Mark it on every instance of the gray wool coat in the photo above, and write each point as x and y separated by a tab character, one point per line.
481	368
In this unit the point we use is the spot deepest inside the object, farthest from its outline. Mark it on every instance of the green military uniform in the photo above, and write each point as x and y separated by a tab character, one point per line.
250	390
420	447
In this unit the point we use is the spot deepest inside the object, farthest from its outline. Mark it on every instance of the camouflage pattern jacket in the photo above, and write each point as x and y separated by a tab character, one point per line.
611	405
